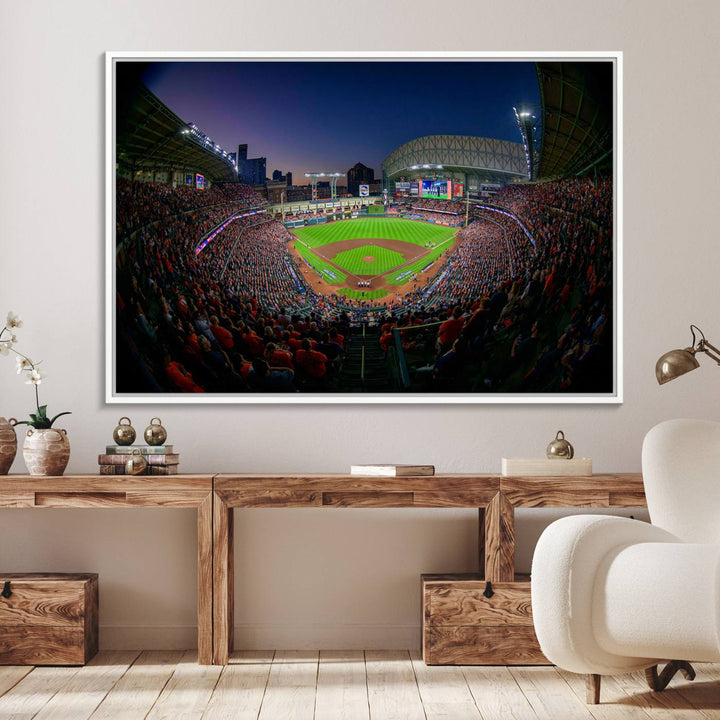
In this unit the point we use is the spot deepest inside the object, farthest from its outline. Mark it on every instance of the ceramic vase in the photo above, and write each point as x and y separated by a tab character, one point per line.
46	451
8	445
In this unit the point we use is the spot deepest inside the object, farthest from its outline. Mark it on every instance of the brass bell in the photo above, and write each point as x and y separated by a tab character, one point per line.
155	433
124	433
136	463
560	448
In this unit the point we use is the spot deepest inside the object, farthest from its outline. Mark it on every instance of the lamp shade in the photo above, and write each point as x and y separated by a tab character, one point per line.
675	363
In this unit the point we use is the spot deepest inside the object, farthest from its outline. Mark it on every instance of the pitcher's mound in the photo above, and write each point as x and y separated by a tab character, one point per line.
369	258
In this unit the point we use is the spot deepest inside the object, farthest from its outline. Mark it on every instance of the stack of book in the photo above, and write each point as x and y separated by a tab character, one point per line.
392	470
160	459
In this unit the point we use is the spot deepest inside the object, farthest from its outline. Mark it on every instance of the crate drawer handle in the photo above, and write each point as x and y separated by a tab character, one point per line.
6	592
488	592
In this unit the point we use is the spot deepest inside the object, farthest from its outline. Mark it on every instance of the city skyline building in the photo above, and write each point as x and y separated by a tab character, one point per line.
358	175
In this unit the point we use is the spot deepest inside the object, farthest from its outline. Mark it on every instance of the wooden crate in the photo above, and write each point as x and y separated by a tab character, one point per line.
48	618
461	626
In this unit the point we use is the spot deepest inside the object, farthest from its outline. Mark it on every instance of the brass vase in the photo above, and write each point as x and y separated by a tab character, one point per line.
46	451
8	444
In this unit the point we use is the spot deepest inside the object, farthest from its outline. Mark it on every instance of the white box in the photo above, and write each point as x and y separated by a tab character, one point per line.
555	467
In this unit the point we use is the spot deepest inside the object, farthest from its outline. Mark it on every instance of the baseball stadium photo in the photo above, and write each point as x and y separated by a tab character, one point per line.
356	228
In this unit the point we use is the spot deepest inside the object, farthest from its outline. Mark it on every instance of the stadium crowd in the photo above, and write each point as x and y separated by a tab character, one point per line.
504	311
139	203
525	317
214	322
441	206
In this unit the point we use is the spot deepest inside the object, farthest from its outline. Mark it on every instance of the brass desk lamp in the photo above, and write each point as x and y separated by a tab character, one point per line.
677	362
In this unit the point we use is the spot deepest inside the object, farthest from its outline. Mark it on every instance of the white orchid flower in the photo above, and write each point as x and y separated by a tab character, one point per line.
35	377
29	371
23	364
13	320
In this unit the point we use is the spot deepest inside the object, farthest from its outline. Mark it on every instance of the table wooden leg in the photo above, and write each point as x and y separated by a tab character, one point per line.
499	518
205	579
481	541
223	581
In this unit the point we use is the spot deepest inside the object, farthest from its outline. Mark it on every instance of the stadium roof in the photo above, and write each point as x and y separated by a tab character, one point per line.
493	160
577	117
150	136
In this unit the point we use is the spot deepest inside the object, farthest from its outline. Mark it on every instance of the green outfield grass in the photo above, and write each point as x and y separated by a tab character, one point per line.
352	260
418	265
418	233
329	273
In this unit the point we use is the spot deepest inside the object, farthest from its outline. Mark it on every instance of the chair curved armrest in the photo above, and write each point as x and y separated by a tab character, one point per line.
565	563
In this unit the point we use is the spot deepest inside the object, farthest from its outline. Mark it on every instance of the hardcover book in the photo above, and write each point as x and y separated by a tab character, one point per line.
144	449
546	467
392	470
110	459
149	470
162	470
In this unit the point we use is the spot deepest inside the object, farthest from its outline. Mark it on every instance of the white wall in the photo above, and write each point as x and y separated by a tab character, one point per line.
330	578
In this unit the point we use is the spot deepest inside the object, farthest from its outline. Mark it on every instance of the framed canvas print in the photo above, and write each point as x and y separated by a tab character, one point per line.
427	228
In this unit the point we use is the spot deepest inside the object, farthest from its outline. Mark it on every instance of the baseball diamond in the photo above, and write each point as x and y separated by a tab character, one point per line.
382	254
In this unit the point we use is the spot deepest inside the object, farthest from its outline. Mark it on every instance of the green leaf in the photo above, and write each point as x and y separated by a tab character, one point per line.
67	412
42	411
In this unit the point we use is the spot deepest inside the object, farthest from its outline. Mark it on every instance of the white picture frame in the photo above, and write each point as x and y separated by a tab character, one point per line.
121	395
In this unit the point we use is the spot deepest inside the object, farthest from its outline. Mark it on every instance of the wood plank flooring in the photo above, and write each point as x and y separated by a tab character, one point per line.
345	685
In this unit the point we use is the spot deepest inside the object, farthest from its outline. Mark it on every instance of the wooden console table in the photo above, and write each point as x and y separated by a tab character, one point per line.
495	497
215	498
107	491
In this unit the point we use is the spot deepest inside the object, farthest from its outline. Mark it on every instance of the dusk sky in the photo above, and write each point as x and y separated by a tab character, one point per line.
329	115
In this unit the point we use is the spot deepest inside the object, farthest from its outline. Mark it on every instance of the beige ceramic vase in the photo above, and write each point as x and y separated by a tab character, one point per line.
46	451
8	444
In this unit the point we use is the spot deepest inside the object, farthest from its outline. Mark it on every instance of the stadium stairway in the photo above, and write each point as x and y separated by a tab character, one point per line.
365	368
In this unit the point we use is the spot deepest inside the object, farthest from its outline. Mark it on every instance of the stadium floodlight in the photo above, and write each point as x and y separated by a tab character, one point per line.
314	176
531	136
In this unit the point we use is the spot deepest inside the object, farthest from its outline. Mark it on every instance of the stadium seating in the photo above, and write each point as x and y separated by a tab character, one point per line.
531	275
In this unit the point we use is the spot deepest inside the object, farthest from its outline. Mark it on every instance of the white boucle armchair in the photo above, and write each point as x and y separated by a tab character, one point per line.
613	595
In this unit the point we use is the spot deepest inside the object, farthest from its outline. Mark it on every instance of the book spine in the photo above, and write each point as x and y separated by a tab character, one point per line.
419	471
112	469
162	470
149	470
144	449
110	459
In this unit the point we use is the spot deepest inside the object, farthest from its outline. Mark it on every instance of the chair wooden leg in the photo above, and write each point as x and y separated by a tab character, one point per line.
592	689
660	682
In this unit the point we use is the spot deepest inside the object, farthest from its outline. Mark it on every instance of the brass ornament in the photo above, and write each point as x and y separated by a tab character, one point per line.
124	433
560	448
155	433
136	463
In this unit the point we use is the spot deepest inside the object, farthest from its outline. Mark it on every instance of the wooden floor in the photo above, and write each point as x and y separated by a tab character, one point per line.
370	685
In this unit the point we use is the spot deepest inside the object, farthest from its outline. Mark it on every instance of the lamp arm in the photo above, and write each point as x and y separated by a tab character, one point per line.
710	350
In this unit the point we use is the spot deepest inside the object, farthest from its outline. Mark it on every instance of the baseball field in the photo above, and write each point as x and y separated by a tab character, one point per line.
370	258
